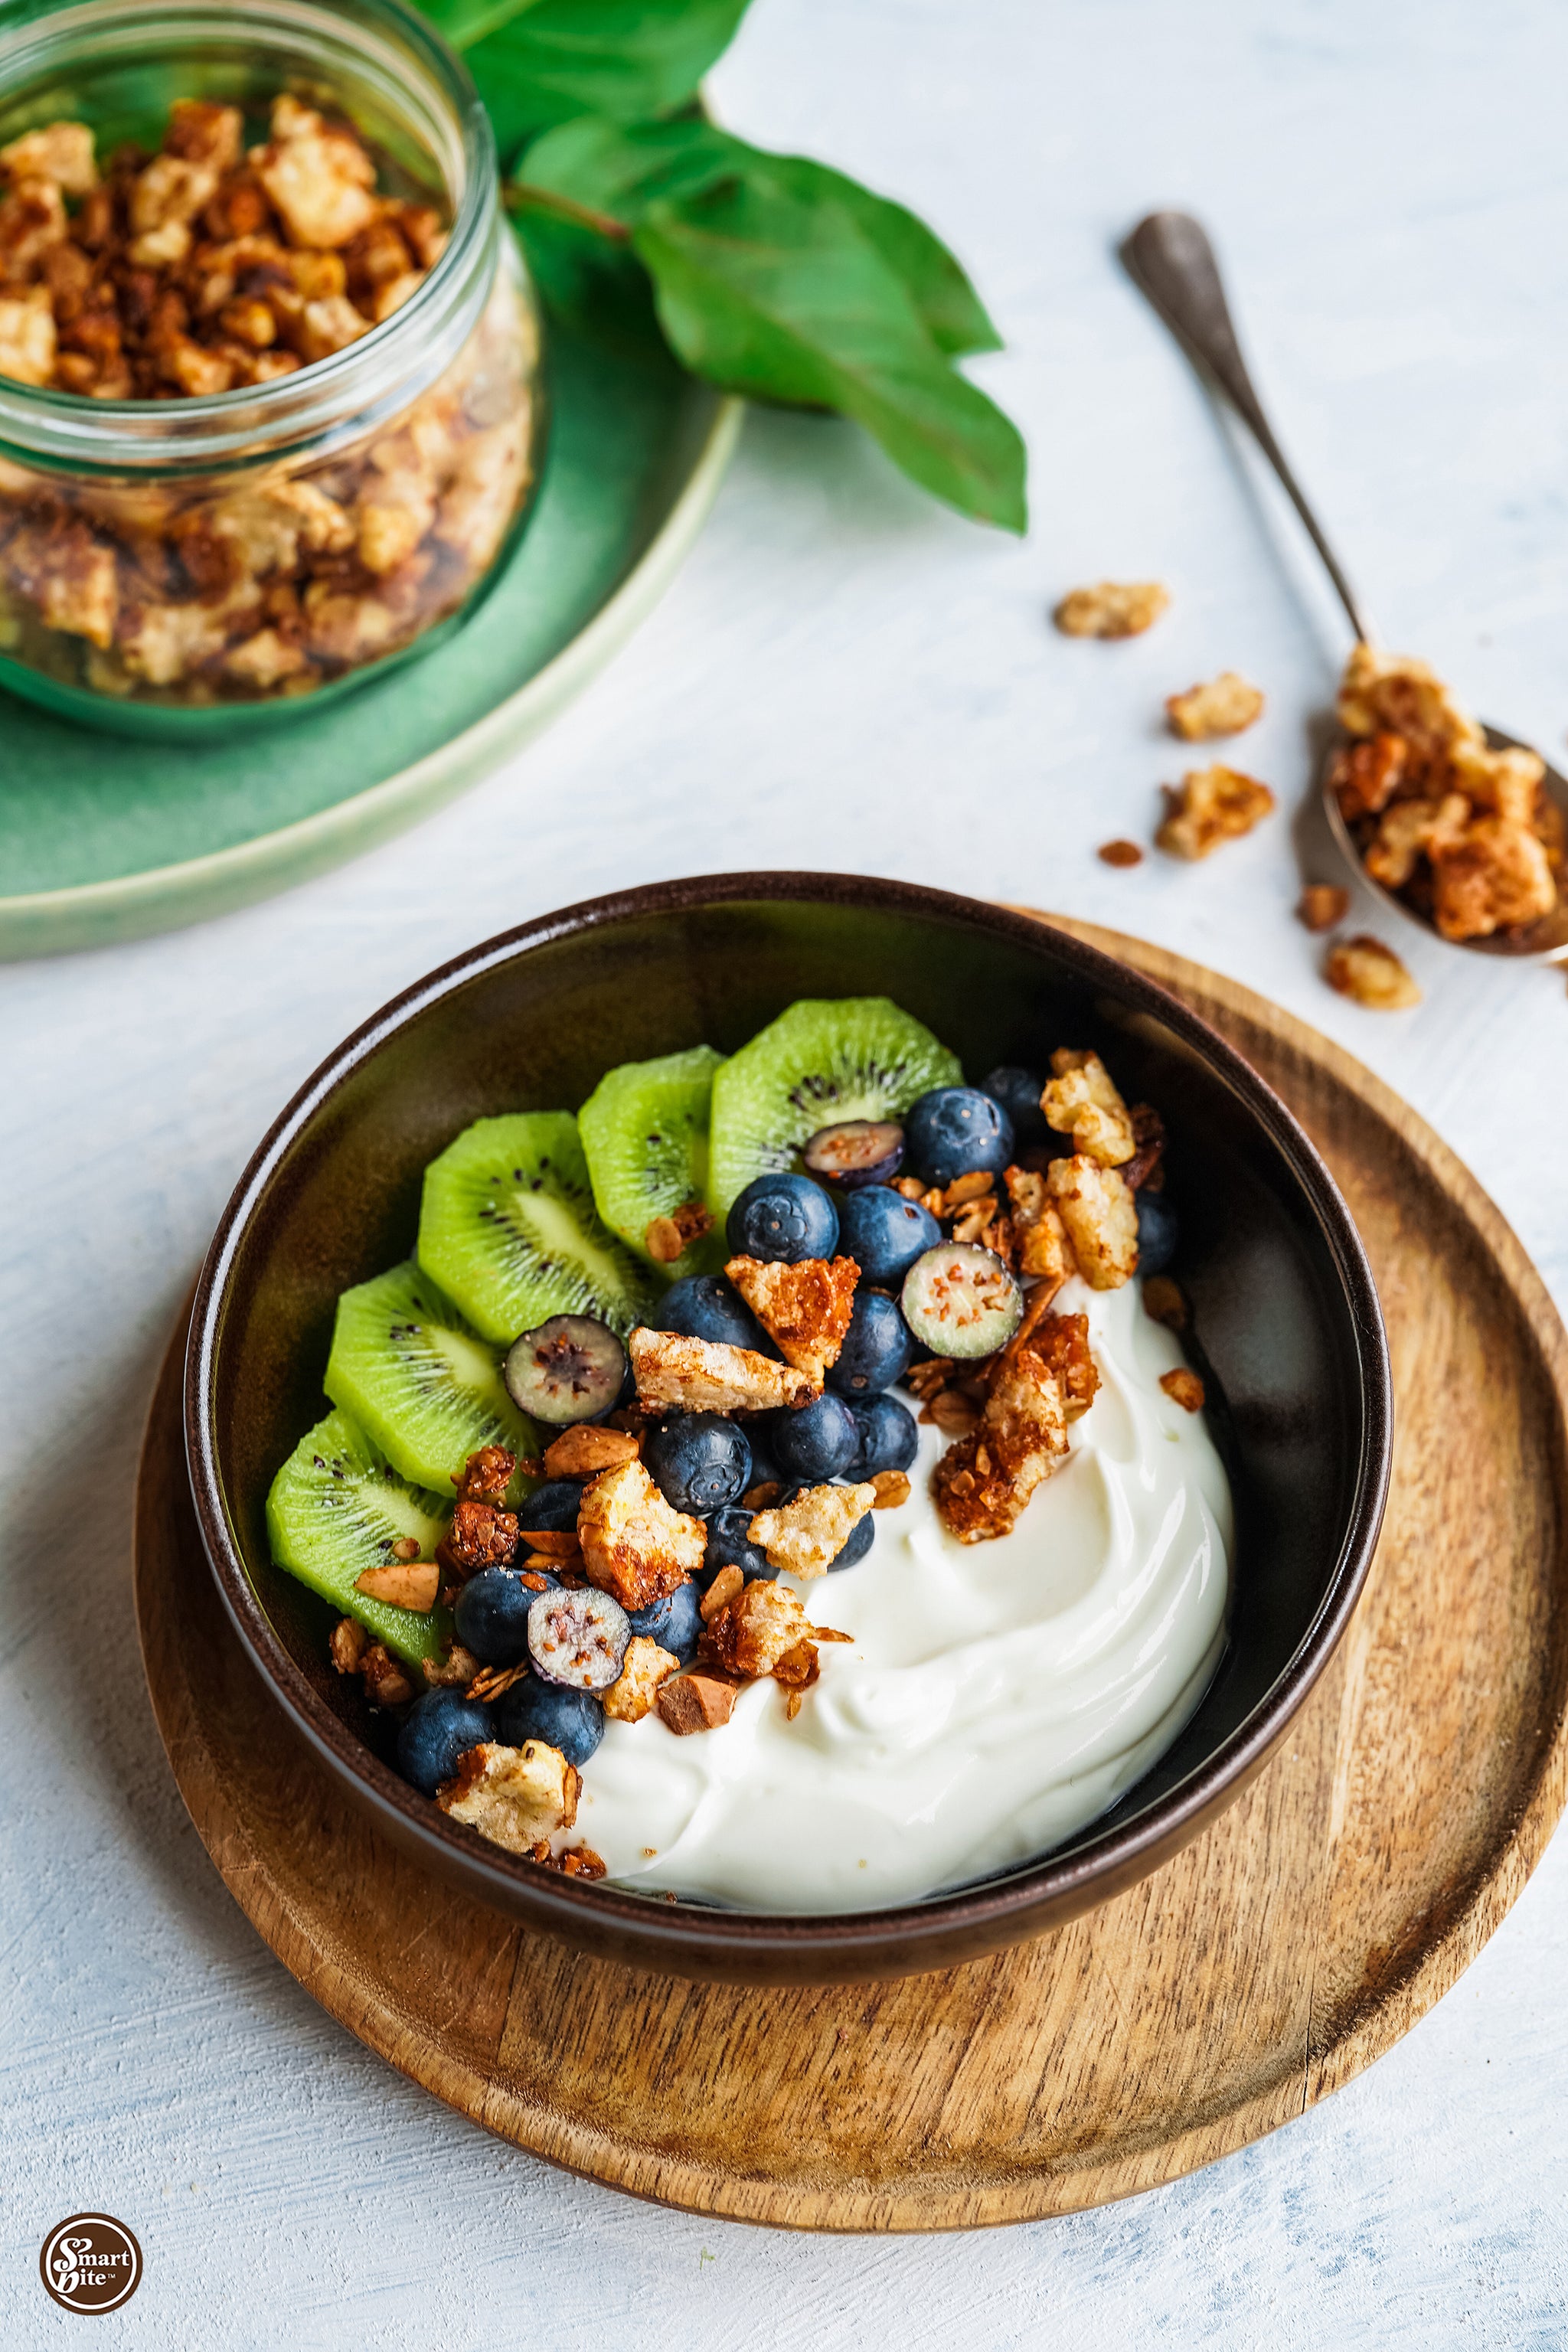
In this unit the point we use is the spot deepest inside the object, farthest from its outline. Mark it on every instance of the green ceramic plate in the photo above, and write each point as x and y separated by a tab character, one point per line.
106	838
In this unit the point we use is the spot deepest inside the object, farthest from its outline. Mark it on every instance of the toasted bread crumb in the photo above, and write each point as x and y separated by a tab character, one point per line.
674	1373
807	1535
1111	608
1101	1219
1322	905
804	1309
1186	1387
1365	970
635	1693
516	1797
634	1545
1211	805
1226	706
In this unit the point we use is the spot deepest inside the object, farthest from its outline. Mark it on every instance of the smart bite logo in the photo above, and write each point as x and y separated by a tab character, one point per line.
91	2262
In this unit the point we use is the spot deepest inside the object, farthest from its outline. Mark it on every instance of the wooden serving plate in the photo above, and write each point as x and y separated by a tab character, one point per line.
1284	1951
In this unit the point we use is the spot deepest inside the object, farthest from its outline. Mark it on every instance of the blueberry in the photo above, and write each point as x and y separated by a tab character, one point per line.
884	1234
706	1307
699	1461
956	1131
862	1536
889	1437
730	1545
1157	1233
676	1622
816	1443
570	1367
491	1615
436	1730
553	1505
1018	1092
577	1638
876	1350
783	1219
856	1152
571	1720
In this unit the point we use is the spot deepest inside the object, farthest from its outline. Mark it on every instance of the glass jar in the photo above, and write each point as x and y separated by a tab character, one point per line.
191	565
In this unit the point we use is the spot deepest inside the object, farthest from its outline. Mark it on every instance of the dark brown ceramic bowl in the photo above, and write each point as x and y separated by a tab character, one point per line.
1283	1305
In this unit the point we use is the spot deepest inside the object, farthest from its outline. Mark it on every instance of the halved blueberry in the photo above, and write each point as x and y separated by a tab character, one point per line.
436	1730
572	1368
578	1638
960	1300
877	1346
1158	1232
491	1614
706	1307
783	1219
699	1461
1018	1092
855	1152
729	1546
884	1234
862	1536
957	1131
674	1623
889	1439
816	1443
571	1720
553	1506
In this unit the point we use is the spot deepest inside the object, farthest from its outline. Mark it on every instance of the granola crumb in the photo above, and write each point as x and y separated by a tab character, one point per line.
456	1669
1226	706
1184	1387
1322	905
385	1682
1211	805
1111	608
698	1701
666	1237
1370	973
1120	852
892	1489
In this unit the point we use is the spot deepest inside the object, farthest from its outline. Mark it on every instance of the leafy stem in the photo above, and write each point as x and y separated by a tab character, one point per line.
523	196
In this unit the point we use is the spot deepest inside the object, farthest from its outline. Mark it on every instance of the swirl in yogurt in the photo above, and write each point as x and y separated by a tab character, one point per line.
998	1698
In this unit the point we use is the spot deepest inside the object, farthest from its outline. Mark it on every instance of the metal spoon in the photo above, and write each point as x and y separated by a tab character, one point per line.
1169	257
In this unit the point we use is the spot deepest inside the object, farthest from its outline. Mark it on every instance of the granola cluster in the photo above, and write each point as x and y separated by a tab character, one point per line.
1465	834
203	270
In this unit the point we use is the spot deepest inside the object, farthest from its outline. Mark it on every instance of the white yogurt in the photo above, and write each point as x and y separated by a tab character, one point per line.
998	1695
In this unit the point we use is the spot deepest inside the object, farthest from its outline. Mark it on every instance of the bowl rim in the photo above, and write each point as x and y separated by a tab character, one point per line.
581	1913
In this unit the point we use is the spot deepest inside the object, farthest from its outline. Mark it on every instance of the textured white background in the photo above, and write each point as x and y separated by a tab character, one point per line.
844	676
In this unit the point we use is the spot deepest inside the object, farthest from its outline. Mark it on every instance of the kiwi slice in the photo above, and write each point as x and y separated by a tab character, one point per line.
823	1061
419	1381
337	1507
645	1132
508	1229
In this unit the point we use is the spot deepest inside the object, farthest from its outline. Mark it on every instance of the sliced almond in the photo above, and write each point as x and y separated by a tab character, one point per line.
404	1584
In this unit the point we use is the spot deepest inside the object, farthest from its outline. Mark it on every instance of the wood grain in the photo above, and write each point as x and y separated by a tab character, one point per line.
1274	1959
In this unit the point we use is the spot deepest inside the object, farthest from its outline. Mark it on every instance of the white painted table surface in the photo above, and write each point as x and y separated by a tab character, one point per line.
845	677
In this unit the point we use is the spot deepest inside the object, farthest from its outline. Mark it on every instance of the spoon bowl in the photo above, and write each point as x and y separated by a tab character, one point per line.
1545	942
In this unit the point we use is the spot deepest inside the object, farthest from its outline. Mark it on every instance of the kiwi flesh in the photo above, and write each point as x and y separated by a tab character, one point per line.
645	1133
823	1061
508	1230
408	1369
337	1507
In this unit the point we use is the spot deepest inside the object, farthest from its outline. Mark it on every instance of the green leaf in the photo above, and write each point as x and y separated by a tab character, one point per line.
622	58
768	281
623	169
785	299
465	21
